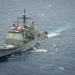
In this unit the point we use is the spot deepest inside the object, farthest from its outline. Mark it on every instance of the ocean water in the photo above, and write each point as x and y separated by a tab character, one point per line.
56	54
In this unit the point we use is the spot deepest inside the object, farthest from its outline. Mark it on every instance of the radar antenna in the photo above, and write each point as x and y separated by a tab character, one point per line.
24	19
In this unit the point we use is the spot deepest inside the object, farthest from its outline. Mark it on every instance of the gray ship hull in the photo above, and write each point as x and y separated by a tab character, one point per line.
26	46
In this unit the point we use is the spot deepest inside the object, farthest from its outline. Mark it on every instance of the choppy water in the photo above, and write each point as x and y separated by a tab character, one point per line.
56	55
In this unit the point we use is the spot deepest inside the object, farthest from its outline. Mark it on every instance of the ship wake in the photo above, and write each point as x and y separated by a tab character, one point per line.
57	31
39	50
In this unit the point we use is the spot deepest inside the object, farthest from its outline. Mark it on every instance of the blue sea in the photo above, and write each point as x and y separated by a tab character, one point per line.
56	54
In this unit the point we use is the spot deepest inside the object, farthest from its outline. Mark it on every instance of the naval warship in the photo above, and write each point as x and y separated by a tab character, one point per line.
21	37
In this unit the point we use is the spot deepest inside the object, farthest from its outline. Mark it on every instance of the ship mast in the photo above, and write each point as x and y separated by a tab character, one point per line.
25	19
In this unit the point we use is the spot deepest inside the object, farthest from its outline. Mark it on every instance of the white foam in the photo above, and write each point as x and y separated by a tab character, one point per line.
42	14
54	45
57	32
61	68
34	48
40	50
53	34
49	5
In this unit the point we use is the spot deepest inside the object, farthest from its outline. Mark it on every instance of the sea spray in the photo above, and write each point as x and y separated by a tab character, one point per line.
56	32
